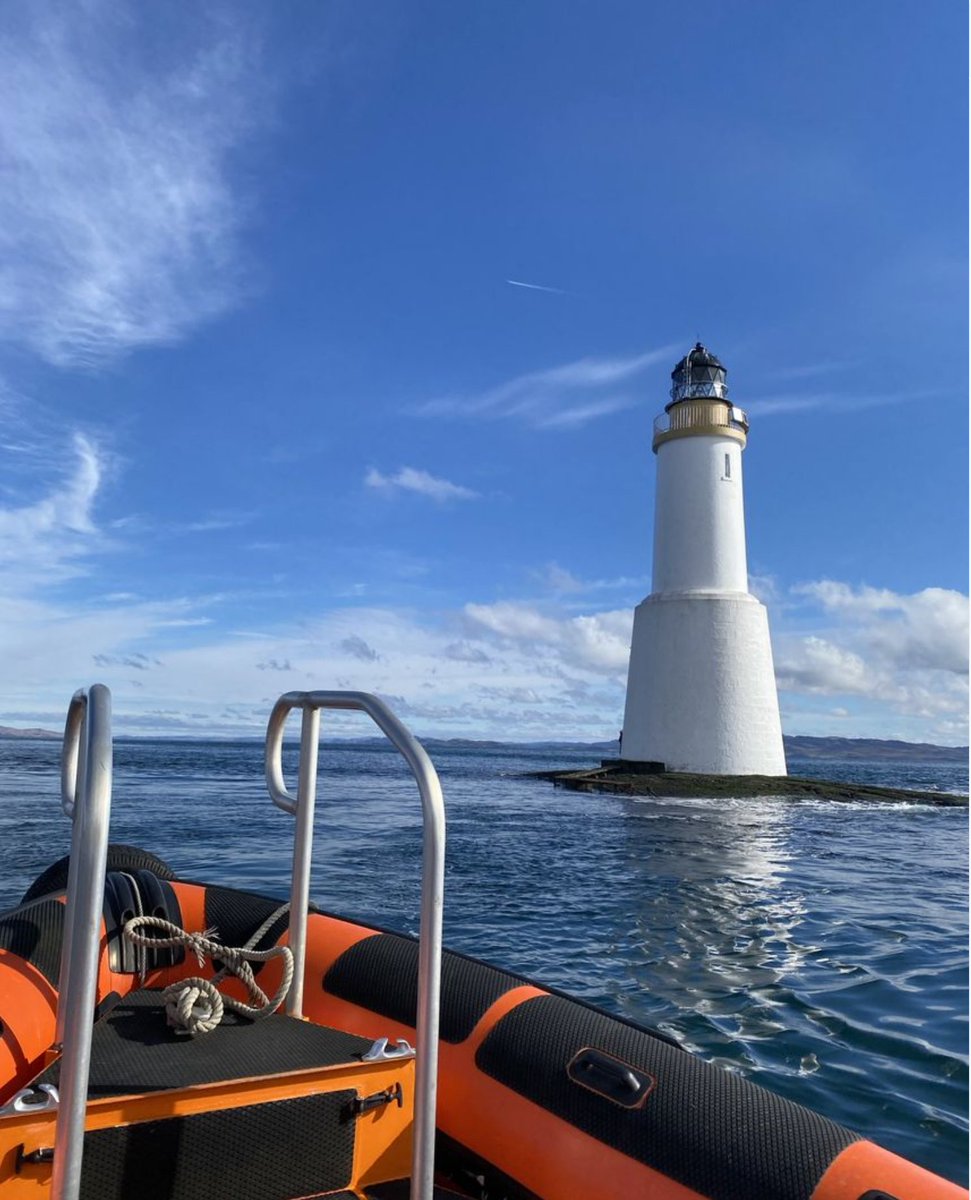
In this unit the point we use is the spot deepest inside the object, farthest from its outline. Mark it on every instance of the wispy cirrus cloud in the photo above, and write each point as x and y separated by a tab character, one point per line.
117	219
409	479
810	370
559	580
772	406
44	540
562	397
537	287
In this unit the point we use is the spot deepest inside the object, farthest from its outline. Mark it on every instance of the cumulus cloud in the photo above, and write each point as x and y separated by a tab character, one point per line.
508	669
561	397
408	479
816	665
117	218
600	642
493	681
907	652
928	629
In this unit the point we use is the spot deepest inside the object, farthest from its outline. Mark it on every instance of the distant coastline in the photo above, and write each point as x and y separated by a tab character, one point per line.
35	735
833	749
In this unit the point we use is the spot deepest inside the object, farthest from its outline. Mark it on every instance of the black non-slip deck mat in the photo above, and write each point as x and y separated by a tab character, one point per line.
704	1127
275	1151
380	973
133	1049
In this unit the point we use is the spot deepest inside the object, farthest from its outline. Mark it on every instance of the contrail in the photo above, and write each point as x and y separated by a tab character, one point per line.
538	287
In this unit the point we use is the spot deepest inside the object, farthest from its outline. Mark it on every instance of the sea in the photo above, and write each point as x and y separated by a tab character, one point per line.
819	948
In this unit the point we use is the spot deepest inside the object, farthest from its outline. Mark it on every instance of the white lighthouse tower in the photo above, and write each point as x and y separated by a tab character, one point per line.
701	692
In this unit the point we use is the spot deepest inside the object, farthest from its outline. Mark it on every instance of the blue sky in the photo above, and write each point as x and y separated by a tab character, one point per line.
279	412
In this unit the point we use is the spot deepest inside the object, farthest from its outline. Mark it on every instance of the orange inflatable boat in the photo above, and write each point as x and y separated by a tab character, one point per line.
311	1056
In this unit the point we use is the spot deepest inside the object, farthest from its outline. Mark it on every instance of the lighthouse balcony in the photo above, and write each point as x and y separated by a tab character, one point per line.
698	418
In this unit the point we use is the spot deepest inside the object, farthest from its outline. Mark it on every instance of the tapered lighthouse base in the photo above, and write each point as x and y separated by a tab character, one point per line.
701	693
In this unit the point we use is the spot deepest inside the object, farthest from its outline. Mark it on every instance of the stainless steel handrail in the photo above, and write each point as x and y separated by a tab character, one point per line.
86	798
432	885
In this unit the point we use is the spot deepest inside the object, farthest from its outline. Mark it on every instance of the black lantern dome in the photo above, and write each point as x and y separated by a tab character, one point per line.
698	374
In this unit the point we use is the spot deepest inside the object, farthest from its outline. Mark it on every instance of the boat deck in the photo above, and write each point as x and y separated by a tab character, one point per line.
133	1050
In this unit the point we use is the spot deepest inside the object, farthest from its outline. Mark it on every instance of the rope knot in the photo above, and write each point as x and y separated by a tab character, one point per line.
196	1005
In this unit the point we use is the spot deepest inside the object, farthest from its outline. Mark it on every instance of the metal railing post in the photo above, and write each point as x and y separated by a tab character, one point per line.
86	798
303	839
432	884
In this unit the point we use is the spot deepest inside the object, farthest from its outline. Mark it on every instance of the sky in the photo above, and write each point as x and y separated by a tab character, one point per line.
332	335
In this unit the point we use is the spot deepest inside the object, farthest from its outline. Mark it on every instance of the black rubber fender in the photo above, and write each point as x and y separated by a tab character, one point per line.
120	858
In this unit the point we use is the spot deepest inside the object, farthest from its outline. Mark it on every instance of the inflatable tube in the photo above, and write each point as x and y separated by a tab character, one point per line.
540	1095
120	858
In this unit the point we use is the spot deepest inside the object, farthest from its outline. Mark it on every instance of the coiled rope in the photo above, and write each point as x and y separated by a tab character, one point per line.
196	1005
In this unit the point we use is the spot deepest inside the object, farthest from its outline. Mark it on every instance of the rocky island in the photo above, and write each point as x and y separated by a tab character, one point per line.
627	780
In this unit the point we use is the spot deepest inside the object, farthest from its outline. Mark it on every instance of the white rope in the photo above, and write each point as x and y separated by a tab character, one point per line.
196	1005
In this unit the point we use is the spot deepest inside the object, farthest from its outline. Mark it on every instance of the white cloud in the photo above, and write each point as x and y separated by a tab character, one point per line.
44	541
214	522
495	681
772	406
502	670
408	479
813	664
464	652
908	654
599	642
566	396
581	414
928	629
117	219
537	287
561	581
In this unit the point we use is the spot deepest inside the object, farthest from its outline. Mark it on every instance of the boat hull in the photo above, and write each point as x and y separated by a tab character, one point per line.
540	1095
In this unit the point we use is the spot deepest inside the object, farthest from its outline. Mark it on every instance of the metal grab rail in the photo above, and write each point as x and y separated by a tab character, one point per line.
432	886
86	799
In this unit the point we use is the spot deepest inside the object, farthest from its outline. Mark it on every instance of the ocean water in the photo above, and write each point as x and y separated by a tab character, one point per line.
820	948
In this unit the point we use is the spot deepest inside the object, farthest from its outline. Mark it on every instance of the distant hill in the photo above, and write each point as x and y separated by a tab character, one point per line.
871	750
823	748
831	749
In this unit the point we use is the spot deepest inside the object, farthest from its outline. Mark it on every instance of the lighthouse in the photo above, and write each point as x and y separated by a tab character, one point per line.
701	694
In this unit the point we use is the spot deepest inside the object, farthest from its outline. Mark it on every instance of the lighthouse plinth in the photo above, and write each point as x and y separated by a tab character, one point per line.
701	694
